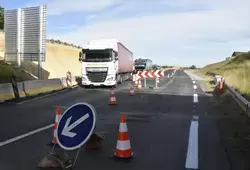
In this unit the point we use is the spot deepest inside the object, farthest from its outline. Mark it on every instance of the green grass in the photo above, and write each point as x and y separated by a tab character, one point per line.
6	71
236	72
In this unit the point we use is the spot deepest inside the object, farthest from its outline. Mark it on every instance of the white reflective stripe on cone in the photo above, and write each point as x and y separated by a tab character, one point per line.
123	127
54	132
123	145
57	118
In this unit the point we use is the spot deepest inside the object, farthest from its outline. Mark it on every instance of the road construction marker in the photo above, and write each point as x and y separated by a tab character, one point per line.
131	91
123	146
192	153
195	87
57	118
112	98
25	135
76	126
194	82
195	98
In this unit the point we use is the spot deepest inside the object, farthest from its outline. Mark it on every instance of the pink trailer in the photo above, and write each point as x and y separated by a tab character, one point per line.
125	59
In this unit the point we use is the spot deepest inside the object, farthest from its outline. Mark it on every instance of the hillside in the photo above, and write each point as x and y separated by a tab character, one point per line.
236	72
60	58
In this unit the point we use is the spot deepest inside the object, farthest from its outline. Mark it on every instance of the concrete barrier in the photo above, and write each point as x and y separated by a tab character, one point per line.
6	92
21	89
33	87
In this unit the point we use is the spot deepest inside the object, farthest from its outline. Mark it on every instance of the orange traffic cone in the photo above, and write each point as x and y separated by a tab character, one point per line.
123	147
112	99
58	116
131	91
139	84
136	82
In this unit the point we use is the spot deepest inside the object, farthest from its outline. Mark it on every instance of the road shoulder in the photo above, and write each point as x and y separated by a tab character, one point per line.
234	130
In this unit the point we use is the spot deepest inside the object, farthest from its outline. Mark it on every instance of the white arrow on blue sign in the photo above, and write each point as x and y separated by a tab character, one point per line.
76	126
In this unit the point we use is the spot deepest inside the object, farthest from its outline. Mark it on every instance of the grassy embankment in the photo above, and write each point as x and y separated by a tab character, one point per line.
236	72
232	122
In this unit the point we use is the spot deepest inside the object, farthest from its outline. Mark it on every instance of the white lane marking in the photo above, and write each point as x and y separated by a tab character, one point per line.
41	97
62	107
194	82
192	153
195	98
195	87
25	135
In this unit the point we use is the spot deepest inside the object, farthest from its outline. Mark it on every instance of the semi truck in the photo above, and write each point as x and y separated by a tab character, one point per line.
143	64
105	62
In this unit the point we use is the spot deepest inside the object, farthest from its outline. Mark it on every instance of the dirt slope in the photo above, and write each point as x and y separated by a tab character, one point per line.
60	58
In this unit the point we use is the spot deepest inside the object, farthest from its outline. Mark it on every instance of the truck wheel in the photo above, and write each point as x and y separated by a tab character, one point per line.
116	84
119	79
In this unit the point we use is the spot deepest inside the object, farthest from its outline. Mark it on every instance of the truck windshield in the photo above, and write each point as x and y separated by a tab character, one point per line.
97	57
140	63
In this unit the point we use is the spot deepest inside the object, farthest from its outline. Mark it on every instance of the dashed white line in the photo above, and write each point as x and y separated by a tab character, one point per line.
194	82
192	152
195	98
25	135
195	117
195	87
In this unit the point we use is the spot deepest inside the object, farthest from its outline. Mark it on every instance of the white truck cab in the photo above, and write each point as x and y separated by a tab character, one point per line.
100	63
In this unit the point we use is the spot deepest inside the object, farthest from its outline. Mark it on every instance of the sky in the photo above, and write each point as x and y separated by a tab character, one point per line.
169	32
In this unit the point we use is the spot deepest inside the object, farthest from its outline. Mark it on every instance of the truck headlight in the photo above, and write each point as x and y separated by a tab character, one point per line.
110	79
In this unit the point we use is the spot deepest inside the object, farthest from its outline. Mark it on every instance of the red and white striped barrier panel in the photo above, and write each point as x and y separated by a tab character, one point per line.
150	74
68	79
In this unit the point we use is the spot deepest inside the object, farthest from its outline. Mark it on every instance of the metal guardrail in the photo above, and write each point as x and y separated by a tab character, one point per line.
243	103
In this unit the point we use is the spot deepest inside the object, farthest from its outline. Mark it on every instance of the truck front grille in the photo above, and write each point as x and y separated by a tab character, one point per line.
97	76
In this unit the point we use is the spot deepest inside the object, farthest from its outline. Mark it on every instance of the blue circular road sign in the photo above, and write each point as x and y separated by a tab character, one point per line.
76	126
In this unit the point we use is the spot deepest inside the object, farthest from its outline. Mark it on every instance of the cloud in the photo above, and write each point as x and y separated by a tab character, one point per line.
89	17
58	7
67	27
182	37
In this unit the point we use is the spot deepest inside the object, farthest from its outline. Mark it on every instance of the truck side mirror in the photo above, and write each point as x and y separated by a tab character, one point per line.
80	56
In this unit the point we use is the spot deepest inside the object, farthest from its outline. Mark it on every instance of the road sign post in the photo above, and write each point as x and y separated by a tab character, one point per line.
76	126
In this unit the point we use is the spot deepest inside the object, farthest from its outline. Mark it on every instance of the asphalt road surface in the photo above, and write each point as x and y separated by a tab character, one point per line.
168	127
